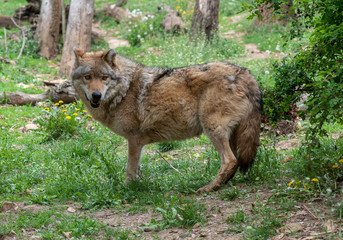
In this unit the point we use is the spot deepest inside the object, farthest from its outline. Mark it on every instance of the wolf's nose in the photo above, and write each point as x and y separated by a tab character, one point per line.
96	96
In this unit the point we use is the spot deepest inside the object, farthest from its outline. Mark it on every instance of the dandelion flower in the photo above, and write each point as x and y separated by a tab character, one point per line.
202	62
60	101
177	7
64	110
90	116
184	13
74	103
335	166
341	161
65	114
290	183
68	117
47	109
77	109
314	180
75	114
67	106
84	111
57	104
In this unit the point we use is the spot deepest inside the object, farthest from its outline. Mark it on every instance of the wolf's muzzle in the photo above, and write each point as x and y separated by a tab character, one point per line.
96	96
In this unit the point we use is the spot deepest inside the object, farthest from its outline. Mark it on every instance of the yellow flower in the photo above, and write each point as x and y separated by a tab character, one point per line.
335	166
184	13
84	111
68	117
290	183
67	106
202	62
305	186
314	180
75	114
64	110
341	161
47	109
74	103
62	106
60	101
181	10
65	114
177	7
56	104
77	109
90	116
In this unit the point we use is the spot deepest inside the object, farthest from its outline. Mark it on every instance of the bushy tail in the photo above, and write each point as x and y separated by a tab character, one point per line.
248	133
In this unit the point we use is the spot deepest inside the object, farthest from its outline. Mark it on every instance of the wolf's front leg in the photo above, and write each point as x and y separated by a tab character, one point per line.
135	149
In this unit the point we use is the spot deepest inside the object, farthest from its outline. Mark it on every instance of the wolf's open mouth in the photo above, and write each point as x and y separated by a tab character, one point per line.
95	105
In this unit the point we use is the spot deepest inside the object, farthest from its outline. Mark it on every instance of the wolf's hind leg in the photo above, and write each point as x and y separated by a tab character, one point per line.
132	167
229	164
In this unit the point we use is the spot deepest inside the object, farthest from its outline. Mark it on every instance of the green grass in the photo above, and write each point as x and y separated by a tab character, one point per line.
9	6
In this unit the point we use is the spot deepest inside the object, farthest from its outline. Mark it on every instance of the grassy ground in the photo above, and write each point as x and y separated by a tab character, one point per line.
66	178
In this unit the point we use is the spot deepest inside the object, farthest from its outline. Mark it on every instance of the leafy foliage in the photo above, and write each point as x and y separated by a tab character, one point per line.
315	71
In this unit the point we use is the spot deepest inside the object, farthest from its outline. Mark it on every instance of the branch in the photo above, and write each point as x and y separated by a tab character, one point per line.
6	42
169	163
23	30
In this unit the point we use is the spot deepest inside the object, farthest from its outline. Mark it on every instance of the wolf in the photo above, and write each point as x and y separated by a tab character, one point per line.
153	104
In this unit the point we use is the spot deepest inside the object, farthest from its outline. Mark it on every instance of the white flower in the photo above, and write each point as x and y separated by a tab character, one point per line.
266	72
267	51
129	30
277	47
139	36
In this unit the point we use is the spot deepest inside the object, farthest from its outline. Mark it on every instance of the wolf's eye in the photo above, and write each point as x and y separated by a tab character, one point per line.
104	78
87	77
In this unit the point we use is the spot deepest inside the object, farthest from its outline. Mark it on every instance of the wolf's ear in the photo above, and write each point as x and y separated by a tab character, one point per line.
109	57
78	54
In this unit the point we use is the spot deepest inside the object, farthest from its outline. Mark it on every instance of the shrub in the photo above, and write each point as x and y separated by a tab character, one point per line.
60	120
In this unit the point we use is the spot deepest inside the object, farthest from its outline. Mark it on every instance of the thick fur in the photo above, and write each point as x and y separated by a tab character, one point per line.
147	105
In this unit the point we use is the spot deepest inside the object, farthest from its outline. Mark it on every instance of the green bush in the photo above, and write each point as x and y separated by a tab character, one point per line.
315	70
61	121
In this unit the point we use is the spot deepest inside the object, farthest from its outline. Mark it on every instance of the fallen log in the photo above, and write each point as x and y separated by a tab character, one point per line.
64	92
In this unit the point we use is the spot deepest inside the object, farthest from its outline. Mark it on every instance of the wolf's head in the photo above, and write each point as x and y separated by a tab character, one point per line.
93	74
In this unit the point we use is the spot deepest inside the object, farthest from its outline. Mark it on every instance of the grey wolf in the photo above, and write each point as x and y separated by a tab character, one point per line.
150	104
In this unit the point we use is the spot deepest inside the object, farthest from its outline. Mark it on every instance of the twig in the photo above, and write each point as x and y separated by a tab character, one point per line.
169	163
314	216
6	42
7	61
23	30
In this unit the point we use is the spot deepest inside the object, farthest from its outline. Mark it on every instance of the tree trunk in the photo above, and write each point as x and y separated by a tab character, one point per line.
78	34
48	30
205	18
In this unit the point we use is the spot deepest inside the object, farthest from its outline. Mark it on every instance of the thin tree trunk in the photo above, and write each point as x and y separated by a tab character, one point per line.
205	18
78	34
48	30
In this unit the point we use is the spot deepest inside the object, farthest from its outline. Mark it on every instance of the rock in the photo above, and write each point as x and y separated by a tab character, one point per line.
116	12
172	22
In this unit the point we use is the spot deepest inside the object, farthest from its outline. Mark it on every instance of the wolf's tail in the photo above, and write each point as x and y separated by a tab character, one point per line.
248	132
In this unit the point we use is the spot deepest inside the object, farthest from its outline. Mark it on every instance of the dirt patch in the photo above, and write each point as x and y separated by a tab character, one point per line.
113	42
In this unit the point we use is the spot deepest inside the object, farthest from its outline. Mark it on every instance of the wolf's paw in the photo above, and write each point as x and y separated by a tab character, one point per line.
209	188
